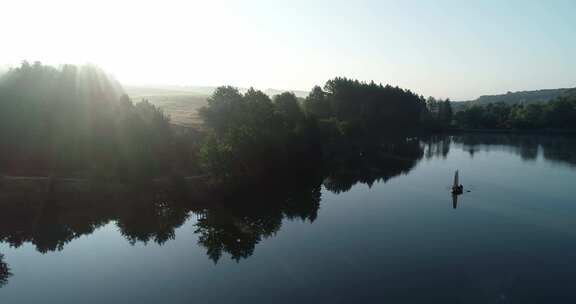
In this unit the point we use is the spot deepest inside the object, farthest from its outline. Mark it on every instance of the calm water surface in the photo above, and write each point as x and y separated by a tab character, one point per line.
368	235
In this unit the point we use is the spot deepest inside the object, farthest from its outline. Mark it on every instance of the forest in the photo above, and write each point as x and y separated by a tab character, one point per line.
557	114
77	122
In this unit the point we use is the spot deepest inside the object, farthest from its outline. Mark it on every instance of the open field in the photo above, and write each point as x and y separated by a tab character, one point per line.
181	104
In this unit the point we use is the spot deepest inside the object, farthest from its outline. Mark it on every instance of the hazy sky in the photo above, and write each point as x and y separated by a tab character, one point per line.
456	49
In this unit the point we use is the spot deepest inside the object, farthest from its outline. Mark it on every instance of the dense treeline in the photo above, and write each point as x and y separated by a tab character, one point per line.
354	108
252	135
439	114
559	113
77	121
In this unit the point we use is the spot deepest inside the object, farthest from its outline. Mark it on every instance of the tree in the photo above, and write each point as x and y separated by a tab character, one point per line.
76	120
368	108
224	108
286	105
446	112
316	104
245	133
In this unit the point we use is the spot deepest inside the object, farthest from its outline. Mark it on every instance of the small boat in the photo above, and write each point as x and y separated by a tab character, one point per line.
456	187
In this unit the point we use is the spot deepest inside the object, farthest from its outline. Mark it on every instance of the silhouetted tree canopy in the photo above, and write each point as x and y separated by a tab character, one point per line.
288	108
251	136
363	108
77	120
317	104
439	114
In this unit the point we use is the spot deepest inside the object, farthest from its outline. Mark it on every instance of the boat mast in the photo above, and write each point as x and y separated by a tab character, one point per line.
456	183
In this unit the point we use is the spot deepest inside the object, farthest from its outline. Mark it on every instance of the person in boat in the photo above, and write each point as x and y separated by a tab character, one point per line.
457	188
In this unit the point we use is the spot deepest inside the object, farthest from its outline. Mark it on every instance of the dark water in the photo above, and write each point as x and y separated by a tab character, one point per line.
381	226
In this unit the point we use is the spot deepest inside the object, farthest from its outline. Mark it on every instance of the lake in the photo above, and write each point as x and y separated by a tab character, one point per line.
380	227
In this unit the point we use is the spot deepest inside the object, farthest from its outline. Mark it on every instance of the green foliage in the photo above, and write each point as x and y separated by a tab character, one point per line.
365	109
557	114
287	107
446	113
317	104
439	114
144	137
224	109
76	120
249	135
371	108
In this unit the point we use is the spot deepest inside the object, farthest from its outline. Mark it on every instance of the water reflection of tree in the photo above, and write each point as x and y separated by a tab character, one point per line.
554	147
437	146
50	221
523	145
560	151
4	272
241	222
47	221
373	163
156	219
236	233
238	223
232	223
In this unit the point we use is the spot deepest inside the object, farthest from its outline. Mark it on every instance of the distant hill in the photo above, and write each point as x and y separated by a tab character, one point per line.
520	97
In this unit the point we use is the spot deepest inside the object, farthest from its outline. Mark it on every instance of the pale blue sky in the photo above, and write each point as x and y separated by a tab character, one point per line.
456	49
